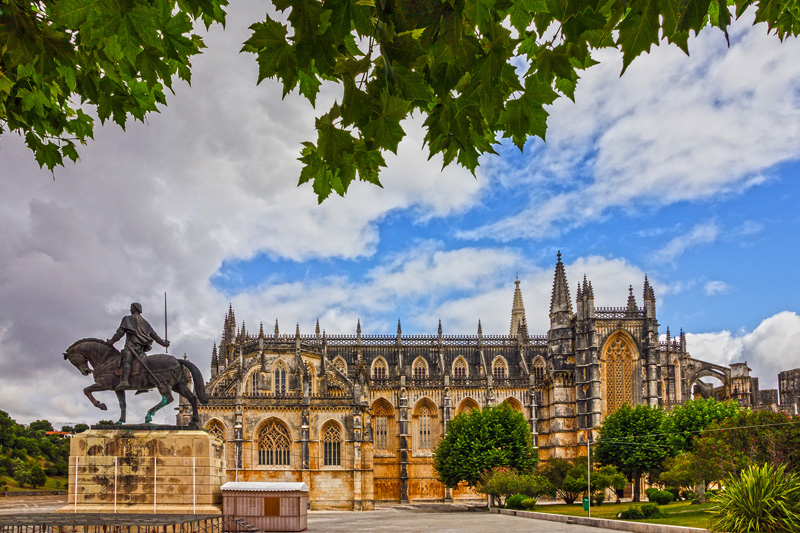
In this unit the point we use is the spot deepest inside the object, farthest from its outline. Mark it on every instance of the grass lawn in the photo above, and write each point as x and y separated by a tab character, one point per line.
53	483
678	513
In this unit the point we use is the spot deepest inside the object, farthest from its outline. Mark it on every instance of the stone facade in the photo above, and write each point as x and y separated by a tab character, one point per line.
357	417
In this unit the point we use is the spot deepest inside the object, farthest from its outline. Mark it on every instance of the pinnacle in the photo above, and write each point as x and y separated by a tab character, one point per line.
560	299
399	329
261	331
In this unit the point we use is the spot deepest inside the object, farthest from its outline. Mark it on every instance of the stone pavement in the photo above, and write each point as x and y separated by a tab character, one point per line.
408	518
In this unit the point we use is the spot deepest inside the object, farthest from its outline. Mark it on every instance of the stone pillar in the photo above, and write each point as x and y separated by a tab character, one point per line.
403	426
357	463
448	493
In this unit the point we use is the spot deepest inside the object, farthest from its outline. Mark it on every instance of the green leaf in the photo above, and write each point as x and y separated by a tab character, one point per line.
638	31
384	129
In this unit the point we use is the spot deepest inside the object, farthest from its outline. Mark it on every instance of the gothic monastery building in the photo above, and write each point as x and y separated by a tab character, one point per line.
357	417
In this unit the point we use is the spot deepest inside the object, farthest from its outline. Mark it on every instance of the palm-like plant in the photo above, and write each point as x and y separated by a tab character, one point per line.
762	499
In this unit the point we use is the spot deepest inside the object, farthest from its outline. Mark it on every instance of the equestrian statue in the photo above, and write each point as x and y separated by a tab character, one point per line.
131	369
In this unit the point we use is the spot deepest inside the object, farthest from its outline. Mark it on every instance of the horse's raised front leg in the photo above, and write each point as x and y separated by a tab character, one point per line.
121	398
95	387
165	400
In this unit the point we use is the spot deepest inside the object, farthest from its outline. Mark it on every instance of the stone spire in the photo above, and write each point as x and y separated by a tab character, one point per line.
261	331
214	361
517	311
560	300
358	332
632	307
480	331
316	331
277	331
439	332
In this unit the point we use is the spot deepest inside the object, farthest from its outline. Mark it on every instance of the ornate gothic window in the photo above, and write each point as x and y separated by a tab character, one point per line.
618	374
420	369
254	383
332	444
499	370
341	365
215	428
380	423
538	370
274	444
280	379
460	369
424	422
379	369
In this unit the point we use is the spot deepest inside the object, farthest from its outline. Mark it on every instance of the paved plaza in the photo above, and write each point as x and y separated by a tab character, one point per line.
395	518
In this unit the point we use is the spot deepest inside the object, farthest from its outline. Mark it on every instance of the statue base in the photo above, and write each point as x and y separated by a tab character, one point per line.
145	471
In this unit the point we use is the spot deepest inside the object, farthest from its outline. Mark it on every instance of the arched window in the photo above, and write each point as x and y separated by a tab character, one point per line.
618	373
468	405
382	426
216	429
280	378
538	370
254	383
420	368
274	444
379	369
460	369
341	365
332	444
424	422
499	370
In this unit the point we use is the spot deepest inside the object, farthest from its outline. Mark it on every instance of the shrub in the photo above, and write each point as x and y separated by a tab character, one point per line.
515	501
632	513
651	510
598	498
661	497
763	498
649	492
528	504
676	493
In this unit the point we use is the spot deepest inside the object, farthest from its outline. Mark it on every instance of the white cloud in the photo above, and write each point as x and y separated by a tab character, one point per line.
704	233
716	287
671	129
769	349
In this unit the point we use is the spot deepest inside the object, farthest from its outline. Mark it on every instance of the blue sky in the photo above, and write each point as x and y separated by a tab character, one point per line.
683	169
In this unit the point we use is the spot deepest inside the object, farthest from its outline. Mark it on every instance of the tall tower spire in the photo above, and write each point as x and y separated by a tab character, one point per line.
560	300
517	311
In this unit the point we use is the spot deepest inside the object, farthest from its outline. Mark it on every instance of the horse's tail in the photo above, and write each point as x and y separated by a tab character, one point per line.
197	379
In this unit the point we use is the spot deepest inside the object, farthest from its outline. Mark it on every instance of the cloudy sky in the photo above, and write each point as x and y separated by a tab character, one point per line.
683	169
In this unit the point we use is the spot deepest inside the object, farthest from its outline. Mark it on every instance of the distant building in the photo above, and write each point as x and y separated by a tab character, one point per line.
357	417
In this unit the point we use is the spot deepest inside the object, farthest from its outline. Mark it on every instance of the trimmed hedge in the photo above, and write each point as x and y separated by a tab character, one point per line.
661	497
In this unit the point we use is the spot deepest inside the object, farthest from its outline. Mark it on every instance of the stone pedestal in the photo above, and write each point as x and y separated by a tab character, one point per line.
145	471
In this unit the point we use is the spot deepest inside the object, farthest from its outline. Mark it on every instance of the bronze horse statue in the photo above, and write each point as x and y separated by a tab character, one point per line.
102	360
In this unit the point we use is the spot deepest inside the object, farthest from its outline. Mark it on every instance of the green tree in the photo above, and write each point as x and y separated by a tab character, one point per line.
22	473
390	58
41	425
606	477
631	439
690	471
80	428
751	438
483	439
37	476
684	422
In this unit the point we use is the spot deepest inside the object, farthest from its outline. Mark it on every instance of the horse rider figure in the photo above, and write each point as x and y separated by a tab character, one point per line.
139	339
